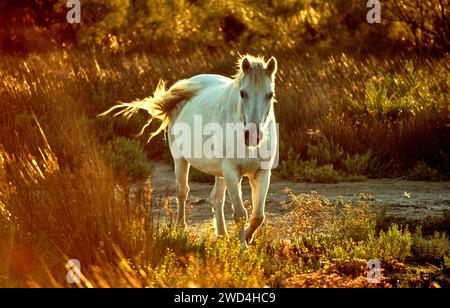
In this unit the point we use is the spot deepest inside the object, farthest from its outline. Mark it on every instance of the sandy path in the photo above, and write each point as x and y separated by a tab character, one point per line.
409	199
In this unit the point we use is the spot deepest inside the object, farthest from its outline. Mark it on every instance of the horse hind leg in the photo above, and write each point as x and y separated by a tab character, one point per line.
181	174
217	202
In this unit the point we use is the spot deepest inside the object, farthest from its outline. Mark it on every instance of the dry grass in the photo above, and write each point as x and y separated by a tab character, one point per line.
60	199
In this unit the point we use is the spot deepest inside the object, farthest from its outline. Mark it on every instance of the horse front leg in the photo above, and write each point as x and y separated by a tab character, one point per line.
260	186
217	201
181	175
233	179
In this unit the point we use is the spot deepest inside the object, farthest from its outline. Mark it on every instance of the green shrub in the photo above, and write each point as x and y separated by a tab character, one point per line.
308	171
177	241
127	158
326	162
358	163
291	166
422	172
325	151
395	244
223	261
355	220
429	250
389	97
446	264
428	225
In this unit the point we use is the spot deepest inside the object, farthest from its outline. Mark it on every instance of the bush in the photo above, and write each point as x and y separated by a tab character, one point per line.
446	264
324	151
127	158
355	220
312	214
425	20
358	164
429	250
423	172
393	245
326	163
391	97
295	168
290	166
186	265
310	172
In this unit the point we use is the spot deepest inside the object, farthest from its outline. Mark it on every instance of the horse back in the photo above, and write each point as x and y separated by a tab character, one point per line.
210	80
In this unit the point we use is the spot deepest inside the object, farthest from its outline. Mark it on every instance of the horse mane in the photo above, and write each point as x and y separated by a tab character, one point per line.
159	105
257	73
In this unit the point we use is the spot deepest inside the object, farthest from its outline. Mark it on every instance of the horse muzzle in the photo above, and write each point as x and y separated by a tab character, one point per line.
252	135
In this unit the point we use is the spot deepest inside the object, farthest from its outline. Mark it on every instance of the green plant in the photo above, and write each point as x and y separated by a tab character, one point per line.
358	163
355	220
391	98
429	250
290	166
58	198
393	245
295	168
127	157
423	172
324	151
446	264
310	172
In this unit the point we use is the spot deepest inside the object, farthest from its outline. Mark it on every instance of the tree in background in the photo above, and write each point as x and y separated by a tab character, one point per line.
427	20
249	25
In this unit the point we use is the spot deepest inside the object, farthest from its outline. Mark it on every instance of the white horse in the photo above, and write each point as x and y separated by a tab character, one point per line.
205	99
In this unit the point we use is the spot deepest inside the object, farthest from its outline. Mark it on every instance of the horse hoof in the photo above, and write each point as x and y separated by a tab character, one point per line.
248	237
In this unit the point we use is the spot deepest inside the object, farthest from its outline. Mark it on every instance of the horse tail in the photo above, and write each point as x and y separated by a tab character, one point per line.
158	106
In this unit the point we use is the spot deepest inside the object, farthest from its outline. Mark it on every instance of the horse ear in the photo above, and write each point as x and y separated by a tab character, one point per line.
245	65
272	66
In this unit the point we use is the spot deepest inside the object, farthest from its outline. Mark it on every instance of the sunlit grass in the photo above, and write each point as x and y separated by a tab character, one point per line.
61	198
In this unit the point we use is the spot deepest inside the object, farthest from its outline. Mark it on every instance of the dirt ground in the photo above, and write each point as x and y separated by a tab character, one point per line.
408	199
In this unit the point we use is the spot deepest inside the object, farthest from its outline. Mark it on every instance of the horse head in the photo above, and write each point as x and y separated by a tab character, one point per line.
257	87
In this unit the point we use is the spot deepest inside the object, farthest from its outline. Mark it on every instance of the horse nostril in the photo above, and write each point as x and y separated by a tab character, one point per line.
253	136
260	135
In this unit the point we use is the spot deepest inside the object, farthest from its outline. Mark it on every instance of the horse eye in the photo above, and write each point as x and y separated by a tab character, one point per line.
243	94
270	95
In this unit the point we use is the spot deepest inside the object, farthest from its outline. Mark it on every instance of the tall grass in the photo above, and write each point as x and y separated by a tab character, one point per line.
61	198
59	195
396	109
